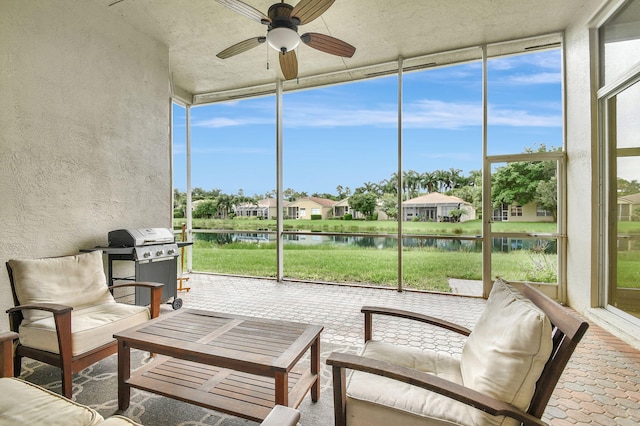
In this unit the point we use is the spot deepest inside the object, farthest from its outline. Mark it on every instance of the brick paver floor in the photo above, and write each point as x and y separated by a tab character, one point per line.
600	386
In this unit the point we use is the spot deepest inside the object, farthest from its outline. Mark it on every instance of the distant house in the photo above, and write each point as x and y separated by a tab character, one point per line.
530	212
305	207
626	205
436	207
266	208
342	207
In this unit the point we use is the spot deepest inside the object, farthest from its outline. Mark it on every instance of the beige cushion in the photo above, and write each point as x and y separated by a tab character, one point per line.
23	403
119	420
503	357
76	281
507	350
90	327
375	400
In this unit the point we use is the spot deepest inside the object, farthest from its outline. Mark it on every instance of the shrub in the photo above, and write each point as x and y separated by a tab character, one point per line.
178	213
348	216
316	217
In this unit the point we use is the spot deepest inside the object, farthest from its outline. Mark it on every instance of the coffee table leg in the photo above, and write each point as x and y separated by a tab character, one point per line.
124	372
282	389
315	369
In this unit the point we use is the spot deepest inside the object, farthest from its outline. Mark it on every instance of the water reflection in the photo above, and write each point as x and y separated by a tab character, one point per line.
502	245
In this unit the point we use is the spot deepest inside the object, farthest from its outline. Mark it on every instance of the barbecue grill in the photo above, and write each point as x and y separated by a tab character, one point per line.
154	253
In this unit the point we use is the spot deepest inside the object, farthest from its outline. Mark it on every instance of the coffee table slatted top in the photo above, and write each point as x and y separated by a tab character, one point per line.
244	344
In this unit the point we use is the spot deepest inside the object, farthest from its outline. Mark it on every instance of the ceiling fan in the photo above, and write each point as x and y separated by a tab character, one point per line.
282	22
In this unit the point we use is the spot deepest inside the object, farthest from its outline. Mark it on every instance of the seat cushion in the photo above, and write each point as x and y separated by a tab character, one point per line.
23	403
507	349
76	281
119	421
91	327
375	400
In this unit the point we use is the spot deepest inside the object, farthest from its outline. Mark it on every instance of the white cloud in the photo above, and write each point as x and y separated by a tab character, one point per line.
539	78
425	113
230	122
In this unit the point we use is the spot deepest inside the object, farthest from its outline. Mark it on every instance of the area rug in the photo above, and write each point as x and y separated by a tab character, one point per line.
97	387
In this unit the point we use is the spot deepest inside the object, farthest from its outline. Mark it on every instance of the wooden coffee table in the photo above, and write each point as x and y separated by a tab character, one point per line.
236	364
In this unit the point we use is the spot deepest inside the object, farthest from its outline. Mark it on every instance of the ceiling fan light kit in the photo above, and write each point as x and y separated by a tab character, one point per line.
282	32
283	39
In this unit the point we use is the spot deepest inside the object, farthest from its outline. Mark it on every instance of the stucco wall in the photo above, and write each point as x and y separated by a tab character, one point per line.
84	143
582	198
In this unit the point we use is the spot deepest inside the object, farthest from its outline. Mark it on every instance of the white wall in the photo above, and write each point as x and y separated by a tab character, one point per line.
582	196
84	143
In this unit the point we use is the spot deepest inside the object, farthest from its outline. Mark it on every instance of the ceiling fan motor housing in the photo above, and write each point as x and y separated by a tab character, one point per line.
280	15
279	34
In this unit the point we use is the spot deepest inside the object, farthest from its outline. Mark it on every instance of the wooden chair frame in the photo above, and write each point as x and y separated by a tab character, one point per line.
68	363
568	330
278	416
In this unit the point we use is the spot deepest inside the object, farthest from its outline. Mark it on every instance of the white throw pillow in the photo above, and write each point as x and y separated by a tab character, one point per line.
508	348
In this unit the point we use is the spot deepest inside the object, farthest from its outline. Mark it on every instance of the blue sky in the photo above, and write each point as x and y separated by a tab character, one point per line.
347	134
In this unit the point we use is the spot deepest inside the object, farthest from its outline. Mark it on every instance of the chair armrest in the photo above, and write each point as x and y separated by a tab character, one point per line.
54	308
341	361
6	353
368	312
148	284
281	416
154	288
7	336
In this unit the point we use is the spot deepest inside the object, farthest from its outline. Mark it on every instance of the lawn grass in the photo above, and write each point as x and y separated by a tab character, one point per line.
423	268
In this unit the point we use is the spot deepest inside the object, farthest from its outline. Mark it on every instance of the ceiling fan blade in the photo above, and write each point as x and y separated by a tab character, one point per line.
243	46
308	10
289	65
246	10
328	44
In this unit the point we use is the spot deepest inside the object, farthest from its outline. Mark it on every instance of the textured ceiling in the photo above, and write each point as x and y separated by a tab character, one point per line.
196	30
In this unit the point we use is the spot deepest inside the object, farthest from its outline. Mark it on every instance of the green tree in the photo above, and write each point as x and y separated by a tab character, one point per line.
456	180
428	181
390	205
198	193
547	195
626	187
442	178
364	203
205	209
518	182
224	203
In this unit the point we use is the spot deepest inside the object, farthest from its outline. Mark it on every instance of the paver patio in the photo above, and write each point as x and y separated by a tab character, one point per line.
600	386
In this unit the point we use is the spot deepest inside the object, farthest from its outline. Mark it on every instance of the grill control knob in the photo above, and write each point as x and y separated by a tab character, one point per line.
159	252
171	251
146	254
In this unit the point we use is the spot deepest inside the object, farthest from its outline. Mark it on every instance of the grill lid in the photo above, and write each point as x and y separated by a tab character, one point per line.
140	237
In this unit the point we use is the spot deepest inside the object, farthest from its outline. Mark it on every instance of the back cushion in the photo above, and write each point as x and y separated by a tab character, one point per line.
75	281
508	348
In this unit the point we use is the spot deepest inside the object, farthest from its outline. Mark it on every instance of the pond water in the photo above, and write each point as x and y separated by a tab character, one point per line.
445	244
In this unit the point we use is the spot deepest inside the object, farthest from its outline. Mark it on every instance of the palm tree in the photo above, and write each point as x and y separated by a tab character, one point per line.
442	179
428	181
370	187
388	186
224	204
455	178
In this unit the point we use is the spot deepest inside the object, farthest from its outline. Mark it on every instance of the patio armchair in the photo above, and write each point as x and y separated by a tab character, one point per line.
508	369
65	313
30	404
